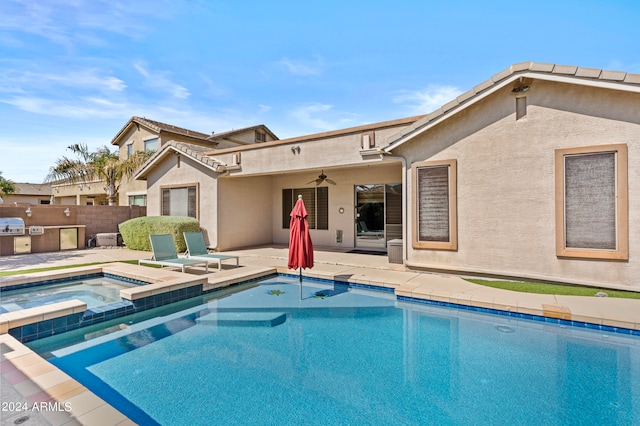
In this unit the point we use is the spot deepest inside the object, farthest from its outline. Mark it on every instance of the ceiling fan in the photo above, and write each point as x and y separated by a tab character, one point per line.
321	178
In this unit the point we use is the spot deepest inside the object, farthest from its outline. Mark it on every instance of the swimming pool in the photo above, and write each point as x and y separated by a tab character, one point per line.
96	291
349	356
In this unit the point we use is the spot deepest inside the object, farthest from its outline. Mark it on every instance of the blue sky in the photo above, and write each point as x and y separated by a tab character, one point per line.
74	71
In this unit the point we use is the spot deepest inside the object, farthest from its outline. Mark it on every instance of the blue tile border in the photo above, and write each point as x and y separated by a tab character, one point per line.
96	315
557	321
72	278
538	318
30	332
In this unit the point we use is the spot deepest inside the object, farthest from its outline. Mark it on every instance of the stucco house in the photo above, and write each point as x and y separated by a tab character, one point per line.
143	134
534	173
29	193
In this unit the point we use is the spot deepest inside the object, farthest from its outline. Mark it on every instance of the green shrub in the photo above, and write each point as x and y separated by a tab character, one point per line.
135	232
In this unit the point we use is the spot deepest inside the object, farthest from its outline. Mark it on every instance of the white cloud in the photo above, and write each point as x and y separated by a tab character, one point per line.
302	67
142	70
427	100
19	81
264	109
321	116
160	80
77	108
71	22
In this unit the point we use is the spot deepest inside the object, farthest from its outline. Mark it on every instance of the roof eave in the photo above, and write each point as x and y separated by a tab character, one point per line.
439	115
160	155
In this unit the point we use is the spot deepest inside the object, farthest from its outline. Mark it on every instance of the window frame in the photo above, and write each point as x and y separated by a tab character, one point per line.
146	141
621	196
133	196
178	186
452	244
318	217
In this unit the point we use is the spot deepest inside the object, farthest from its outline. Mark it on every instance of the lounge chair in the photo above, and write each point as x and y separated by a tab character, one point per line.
363	231
164	254
197	249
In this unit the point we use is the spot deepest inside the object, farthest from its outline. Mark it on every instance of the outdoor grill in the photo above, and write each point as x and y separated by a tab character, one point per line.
11	226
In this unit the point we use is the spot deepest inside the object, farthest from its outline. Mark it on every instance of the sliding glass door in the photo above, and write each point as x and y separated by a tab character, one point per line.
378	215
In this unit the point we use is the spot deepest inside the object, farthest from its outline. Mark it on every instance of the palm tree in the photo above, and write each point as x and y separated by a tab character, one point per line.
101	164
6	187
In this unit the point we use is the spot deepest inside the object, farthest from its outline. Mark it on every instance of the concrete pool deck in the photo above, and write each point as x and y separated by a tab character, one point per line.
27	378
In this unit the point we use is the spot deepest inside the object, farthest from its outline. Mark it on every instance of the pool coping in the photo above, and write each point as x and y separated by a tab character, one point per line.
54	385
67	401
70	314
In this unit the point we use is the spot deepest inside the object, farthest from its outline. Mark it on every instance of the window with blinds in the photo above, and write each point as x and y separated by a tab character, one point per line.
180	201
393	203
434	205
316	201
591	202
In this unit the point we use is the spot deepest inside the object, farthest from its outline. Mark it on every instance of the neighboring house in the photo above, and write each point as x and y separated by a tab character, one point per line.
143	134
29	193
534	173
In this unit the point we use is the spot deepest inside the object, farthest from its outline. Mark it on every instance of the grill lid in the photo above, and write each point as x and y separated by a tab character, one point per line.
11	226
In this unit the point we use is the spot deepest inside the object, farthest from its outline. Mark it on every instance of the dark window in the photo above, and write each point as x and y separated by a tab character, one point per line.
592	202
435	223
180	201
433	204
316	200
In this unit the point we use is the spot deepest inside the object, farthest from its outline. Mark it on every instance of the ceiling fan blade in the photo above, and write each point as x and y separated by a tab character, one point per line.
318	181
311	181
330	181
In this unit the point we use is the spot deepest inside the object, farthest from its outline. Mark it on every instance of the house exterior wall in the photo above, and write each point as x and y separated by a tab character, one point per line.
314	155
245	212
137	138
168	174
243	138
252	195
72	194
26	199
505	181
250	208
341	195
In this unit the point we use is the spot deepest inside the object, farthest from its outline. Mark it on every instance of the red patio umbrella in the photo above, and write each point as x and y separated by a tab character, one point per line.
300	245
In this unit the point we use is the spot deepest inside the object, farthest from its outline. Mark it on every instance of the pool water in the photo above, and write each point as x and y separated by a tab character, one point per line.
347	356
94	292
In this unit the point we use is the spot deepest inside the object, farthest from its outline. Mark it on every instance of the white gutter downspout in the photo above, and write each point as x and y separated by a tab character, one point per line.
385	156
223	171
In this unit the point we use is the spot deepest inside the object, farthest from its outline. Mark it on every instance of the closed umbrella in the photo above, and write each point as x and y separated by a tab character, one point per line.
300	245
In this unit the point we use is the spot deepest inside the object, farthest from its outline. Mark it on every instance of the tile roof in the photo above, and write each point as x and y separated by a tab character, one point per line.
158	127
196	152
223	135
212	138
164	127
565	73
32	188
317	136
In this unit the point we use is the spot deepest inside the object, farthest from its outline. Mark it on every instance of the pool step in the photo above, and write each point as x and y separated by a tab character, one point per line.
243	319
